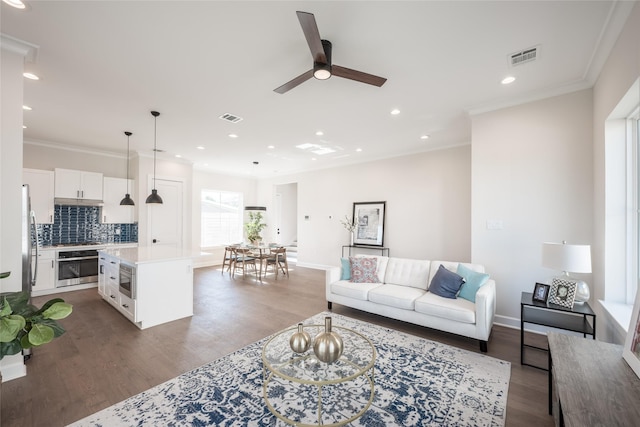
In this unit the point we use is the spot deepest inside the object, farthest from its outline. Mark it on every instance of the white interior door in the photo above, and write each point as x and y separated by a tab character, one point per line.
165	220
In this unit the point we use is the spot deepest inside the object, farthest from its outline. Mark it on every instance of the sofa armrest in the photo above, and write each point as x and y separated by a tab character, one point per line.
485	309
332	275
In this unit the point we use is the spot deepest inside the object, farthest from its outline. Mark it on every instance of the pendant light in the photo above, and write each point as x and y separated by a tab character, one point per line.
127	201
154	197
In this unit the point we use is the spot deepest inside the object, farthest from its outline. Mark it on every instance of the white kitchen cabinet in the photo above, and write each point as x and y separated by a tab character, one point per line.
74	184
162	289
114	190
41	192
46	278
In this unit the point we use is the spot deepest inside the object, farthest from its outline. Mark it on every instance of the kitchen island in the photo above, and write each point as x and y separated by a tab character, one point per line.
149	285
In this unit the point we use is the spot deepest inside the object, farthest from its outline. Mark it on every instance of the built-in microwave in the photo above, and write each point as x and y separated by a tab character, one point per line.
128	280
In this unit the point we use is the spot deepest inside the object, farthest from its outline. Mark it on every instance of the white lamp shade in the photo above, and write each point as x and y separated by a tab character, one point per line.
569	258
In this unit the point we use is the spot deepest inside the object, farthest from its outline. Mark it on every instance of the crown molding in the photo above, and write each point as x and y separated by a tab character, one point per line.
21	47
74	148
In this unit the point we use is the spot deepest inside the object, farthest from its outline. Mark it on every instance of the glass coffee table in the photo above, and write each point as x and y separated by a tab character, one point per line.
301	390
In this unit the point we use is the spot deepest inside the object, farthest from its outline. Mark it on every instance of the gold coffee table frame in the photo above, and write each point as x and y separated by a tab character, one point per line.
280	361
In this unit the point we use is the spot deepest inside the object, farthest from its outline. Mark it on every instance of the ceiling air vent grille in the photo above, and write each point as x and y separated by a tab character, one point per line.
230	118
523	56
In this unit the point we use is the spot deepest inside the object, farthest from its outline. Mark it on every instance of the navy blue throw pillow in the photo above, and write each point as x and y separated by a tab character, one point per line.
446	283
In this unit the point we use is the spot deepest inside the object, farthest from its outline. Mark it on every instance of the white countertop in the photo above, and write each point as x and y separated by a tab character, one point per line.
150	254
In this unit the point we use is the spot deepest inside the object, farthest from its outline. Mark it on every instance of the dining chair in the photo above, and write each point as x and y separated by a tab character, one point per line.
229	257
243	258
277	259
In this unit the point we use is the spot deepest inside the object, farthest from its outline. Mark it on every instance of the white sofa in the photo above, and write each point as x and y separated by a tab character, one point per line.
403	295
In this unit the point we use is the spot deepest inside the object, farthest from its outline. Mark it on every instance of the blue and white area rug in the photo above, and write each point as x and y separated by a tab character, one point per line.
417	382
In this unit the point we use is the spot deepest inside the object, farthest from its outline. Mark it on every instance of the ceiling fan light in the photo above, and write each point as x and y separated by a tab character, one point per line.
321	71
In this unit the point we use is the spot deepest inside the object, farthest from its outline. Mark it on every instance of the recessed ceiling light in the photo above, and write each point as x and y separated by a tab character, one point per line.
206	164
30	76
233	135
319	133
15	3
358	149
24	126
178	155
424	137
26	107
395	112
508	80
200	147
313	158
271	147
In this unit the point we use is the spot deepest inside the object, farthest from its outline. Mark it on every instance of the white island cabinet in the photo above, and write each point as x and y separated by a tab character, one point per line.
162	290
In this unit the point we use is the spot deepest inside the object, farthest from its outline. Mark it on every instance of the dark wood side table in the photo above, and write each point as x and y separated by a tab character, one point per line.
574	319
591	384
371	248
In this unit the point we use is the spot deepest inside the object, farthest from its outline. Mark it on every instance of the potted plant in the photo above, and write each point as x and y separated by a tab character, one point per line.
23	325
254	227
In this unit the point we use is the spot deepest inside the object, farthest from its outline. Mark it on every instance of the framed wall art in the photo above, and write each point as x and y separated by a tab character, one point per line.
541	292
562	292
631	350
370	228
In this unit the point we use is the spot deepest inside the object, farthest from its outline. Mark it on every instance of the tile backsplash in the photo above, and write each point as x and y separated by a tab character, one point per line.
78	224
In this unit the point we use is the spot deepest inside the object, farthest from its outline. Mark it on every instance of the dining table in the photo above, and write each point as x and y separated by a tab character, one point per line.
260	253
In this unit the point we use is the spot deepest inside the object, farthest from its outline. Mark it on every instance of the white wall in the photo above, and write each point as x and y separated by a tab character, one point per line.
38	155
427	212
532	170
11	81
618	75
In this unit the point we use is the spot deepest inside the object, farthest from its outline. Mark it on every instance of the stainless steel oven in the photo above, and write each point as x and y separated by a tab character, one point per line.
77	266
128	280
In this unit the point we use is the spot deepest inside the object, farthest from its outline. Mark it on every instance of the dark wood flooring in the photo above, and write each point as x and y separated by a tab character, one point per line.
103	358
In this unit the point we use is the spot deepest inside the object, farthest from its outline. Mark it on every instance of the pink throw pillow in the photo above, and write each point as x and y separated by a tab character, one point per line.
363	270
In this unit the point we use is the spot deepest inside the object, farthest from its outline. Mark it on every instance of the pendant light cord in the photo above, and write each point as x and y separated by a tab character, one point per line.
155	149
128	136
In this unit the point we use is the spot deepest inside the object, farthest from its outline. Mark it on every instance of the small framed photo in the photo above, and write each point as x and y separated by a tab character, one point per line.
563	292
541	292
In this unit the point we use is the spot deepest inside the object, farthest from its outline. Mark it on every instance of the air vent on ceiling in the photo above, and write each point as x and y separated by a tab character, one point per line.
230	118
524	56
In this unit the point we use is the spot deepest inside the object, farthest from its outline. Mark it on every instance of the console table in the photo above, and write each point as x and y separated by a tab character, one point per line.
575	319
374	248
590	384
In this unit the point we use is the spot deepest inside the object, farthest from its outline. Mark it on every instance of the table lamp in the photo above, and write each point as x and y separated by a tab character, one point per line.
569	258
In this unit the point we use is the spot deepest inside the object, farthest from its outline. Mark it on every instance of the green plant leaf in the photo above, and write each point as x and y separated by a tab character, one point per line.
57	329
10	348
57	311
40	334
24	342
10	326
6	308
49	304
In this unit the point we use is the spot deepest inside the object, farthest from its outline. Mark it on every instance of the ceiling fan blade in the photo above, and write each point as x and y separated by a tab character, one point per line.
311	33
295	82
358	76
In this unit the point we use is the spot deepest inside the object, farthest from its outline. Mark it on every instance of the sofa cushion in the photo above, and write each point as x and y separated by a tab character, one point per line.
382	264
353	290
472	282
452	266
446	283
459	310
363	270
408	272
395	296
346	269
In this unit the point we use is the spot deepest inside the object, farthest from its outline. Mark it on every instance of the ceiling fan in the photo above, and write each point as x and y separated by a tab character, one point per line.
321	53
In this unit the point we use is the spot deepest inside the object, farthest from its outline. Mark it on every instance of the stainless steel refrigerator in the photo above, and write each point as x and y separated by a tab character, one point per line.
29	249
